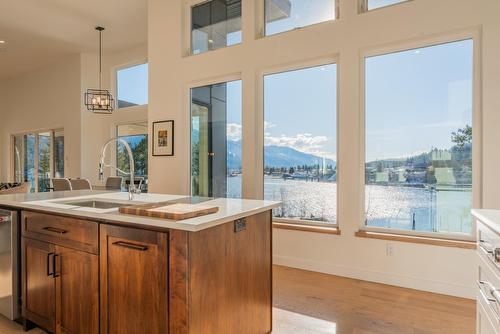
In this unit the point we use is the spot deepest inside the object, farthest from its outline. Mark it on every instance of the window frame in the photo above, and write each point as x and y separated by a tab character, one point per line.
363	6
461	35
261	20
187	33
301	65
114	84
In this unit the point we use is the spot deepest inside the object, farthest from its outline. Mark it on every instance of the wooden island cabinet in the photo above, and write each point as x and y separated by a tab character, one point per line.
89	276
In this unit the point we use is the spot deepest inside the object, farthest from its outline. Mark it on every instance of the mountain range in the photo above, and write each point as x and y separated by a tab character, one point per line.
275	156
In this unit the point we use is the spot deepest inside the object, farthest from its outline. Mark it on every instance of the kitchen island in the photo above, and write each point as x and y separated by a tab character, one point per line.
95	270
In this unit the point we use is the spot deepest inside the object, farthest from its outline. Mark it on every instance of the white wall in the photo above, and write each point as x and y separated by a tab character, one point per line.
44	99
97	129
439	269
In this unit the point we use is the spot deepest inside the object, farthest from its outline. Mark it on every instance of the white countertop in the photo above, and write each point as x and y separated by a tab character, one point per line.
489	217
229	209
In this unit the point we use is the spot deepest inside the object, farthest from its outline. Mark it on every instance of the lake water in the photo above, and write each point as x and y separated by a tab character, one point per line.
399	207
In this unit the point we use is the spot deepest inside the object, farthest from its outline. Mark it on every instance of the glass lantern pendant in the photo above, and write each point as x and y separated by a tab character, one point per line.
99	101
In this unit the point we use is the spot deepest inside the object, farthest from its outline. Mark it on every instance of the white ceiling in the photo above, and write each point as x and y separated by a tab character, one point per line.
39	32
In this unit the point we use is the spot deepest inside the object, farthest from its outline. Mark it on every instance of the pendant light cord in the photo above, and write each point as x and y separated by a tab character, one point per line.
100	58
100	29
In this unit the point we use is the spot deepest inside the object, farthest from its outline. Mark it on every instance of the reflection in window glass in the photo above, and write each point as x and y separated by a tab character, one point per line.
374	4
136	135
215	24
418	167
132	86
19	150
216	140
29	160
300	139
58	154
284	15
44	168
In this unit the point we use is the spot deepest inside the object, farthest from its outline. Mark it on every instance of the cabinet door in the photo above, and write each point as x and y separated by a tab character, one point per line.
134	286
77	290
39	296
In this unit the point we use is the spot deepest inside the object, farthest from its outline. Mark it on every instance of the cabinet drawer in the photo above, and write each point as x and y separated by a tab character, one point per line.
69	232
484	325
488	290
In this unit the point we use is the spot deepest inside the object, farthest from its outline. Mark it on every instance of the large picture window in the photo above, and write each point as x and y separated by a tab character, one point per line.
300	141
418	131
285	15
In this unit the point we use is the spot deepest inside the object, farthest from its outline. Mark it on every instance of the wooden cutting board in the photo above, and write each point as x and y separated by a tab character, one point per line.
168	210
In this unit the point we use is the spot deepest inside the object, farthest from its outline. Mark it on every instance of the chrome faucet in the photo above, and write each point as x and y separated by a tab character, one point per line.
131	188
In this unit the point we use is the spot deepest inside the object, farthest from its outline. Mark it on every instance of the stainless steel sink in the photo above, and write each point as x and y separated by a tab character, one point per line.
95	203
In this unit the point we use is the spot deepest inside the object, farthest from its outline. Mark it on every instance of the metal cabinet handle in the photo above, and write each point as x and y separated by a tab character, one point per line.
486	246
54	230
489	300
49	273
494	292
124	244
496	295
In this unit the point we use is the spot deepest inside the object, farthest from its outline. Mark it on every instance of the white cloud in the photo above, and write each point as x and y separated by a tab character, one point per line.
303	142
234	131
268	125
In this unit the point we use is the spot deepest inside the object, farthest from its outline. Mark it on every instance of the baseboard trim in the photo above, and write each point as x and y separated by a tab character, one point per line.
445	288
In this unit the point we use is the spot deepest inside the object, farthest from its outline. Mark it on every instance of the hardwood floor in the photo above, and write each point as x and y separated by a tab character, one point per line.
313	303
319	303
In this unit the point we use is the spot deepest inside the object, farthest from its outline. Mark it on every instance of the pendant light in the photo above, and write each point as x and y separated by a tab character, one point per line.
99	101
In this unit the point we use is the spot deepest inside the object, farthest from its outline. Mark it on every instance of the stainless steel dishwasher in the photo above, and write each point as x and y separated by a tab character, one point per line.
9	264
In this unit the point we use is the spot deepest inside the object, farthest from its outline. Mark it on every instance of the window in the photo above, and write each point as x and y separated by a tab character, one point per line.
216	140
374	4
285	15
136	135
132	86
38	157
215	24
300	117
418	163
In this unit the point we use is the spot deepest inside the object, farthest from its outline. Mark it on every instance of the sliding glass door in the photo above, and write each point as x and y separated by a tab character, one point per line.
38	157
216	140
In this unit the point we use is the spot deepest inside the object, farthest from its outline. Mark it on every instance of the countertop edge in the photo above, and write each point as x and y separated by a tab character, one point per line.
156	224
485	216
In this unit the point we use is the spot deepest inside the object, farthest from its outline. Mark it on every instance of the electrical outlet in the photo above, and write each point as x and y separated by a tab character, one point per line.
389	249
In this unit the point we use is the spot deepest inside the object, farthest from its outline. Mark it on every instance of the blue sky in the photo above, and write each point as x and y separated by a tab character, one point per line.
415	99
133	84
300	110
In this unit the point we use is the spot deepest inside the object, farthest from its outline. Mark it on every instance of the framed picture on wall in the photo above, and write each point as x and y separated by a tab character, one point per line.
163	138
